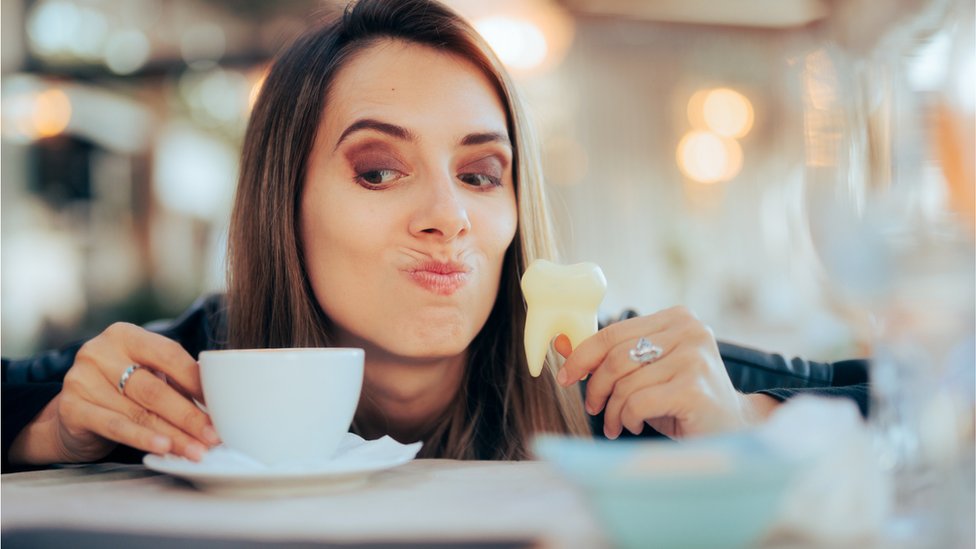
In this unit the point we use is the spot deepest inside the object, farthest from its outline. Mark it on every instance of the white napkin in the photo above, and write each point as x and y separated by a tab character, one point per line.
353	452
840	494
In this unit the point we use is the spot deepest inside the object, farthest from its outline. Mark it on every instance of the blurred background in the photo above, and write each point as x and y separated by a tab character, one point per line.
722	155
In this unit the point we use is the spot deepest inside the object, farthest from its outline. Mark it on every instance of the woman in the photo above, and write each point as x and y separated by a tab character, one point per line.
389	199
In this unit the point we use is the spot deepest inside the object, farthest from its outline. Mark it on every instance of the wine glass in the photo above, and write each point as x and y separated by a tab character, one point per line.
895	241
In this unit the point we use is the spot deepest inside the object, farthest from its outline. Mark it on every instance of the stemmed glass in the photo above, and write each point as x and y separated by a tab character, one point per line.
889	208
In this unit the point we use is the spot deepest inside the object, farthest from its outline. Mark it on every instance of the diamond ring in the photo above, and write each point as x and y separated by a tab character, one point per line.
645	352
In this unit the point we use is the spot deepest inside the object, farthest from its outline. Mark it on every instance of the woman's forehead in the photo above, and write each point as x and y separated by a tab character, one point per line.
415	87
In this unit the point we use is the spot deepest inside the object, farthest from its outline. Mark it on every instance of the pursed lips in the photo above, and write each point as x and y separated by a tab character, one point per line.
439	278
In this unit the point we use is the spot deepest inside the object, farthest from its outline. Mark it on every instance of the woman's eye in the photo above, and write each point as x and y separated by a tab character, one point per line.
378	177
480	179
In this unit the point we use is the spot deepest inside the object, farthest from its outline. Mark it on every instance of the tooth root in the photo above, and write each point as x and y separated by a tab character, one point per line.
542	326
561	299
537	340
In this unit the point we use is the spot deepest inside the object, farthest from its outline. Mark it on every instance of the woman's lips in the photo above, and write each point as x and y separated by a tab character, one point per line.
439	278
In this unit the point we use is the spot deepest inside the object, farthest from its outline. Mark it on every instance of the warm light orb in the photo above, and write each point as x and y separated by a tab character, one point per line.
727	112
519	43
51	113
709	158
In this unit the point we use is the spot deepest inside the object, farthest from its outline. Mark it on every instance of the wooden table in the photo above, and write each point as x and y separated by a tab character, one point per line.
425	503
422	503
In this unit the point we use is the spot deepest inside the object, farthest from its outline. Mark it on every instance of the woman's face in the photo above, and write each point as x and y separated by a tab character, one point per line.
409	203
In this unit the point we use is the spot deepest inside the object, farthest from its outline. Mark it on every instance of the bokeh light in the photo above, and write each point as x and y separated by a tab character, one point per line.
519	43
721	110
52	112
52	27
706	157
194	173
126	51
727	112
31	112
46	267
530	37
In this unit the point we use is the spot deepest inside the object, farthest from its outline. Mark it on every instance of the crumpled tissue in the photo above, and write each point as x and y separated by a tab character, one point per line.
353	453
840	493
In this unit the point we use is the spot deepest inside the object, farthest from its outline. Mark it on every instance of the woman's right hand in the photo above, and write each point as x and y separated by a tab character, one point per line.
89	417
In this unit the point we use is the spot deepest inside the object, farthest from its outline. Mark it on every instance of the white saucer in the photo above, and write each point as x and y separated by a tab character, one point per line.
225	471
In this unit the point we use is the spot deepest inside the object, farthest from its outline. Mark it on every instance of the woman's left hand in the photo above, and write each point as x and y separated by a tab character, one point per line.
685	391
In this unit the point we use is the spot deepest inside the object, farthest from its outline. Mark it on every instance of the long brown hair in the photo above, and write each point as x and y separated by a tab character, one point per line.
270	300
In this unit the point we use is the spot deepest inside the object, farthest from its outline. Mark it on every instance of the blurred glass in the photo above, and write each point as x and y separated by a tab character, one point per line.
897	247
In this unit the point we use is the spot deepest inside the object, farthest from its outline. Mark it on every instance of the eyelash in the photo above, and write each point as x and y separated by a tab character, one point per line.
361	179
492	180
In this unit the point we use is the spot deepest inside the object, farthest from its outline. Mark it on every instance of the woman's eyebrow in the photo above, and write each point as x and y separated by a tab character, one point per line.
399	132
486	137
392	130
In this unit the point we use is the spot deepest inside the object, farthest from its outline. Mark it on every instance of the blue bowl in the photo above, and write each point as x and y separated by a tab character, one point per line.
720	492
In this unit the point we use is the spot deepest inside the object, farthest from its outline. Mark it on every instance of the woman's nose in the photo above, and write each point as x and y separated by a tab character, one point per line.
441	211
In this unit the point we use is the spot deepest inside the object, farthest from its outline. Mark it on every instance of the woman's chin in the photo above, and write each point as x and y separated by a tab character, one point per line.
423	350
424	335
435	337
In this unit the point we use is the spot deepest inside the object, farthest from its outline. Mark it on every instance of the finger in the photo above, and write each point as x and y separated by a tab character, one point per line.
115	426
563	345
182	444
632	410
156	396
653	375
591	352
645	404
163	355
618	365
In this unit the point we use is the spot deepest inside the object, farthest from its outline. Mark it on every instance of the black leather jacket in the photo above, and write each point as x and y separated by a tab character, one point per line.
29	384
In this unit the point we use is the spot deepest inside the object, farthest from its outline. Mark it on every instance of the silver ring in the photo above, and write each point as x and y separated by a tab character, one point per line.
125	377
645	352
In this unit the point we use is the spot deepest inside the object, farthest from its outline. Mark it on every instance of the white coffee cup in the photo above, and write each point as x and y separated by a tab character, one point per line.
282	406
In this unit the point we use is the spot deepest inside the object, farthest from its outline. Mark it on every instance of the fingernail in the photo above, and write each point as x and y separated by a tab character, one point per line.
562	377
589	409
607	433
195	451
159	444
210	436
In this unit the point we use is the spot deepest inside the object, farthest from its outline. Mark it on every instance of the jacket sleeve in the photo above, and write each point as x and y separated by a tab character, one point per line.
858	393
30	384
753	371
